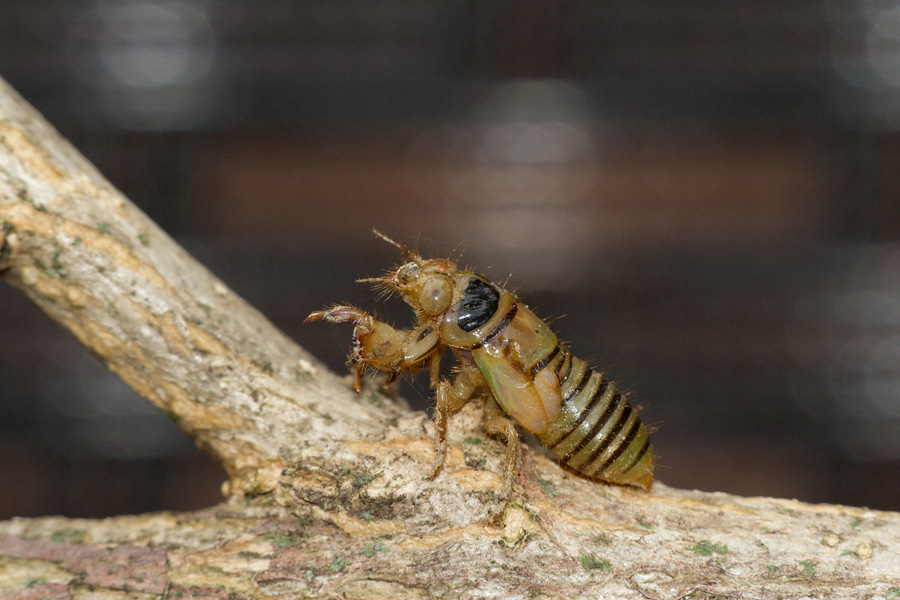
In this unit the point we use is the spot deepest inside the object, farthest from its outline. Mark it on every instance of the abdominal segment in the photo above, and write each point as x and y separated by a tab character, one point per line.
597	432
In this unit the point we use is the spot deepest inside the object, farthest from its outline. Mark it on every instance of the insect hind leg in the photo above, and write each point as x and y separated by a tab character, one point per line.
497	424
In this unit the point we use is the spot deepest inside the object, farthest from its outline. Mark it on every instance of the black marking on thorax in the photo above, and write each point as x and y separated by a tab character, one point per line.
478	304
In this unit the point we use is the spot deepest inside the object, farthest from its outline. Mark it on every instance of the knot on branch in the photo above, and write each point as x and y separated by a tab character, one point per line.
9	244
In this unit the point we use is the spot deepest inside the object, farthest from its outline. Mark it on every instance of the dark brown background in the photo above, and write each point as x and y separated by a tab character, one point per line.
709	192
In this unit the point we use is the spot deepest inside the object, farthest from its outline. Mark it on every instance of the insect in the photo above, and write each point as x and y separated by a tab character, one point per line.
507	354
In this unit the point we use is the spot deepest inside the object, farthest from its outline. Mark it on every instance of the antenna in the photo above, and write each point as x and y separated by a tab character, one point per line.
401	247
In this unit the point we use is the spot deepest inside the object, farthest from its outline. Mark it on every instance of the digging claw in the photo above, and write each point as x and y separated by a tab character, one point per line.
337	314
316	315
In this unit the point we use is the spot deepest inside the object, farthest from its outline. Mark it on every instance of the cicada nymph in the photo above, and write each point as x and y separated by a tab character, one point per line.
506	353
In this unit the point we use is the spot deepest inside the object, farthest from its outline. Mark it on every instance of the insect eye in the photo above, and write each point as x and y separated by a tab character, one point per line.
407	273
435	295
478	305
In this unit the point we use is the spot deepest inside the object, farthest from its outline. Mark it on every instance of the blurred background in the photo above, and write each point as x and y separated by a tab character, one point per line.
706	194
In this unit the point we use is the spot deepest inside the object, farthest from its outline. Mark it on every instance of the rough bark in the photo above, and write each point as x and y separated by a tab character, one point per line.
328	494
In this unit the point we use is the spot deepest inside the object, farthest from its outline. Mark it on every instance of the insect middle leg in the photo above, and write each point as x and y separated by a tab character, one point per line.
496	423
451	397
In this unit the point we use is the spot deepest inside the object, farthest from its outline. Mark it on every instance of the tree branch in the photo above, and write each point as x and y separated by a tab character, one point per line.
329	495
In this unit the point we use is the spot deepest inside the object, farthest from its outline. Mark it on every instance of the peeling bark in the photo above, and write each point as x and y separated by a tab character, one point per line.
328	494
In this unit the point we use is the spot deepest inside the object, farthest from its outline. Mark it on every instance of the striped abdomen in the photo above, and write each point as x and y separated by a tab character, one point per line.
597	433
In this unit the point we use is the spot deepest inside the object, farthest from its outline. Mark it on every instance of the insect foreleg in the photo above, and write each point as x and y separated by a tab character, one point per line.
377	344
496	423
